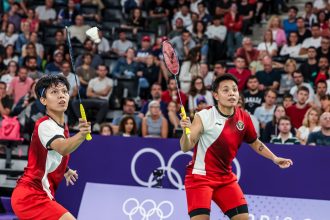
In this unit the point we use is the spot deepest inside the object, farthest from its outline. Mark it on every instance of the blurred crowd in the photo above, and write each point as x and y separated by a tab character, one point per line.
284	77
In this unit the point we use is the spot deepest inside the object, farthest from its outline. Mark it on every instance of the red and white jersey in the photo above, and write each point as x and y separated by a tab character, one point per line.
220	141
46	167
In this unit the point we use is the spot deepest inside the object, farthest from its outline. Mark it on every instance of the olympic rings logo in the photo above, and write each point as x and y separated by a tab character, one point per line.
170	171
147	209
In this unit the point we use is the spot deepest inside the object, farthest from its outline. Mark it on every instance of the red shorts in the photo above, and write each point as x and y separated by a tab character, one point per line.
29	203
223	190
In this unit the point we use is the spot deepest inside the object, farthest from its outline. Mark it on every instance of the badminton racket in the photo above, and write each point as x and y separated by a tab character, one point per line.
81	107
172	64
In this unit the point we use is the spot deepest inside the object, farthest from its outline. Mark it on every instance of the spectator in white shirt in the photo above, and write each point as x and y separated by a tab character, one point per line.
268	45
103	46
46	13
78	30
8	37
184	14
313	41
292	48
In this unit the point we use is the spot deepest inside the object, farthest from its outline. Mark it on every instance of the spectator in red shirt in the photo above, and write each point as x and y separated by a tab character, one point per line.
234	23
171	94
323	70
297	111
247	51
240	72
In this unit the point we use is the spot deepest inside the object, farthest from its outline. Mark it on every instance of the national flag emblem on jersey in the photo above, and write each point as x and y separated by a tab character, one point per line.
240	125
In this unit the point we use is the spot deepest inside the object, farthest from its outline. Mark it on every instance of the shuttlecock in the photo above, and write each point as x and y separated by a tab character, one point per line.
93	34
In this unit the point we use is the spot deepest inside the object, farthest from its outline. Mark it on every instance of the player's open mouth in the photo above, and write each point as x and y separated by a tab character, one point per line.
61	102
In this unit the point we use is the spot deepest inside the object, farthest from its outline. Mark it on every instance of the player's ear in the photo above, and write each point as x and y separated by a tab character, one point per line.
43	101
215	95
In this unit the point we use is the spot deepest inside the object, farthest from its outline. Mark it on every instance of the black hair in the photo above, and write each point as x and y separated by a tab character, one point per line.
48	81
287	96
3	83
253	77
303	88
294	8
218	80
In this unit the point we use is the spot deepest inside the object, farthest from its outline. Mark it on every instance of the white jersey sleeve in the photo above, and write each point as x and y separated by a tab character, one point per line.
48	131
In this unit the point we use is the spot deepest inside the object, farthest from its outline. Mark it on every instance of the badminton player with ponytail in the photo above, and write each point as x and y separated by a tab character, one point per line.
216	134
48	156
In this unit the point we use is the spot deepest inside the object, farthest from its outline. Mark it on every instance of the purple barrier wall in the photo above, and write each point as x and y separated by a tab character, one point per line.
109	160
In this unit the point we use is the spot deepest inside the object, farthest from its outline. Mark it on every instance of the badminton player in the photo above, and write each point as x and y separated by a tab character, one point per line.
33	197
216	134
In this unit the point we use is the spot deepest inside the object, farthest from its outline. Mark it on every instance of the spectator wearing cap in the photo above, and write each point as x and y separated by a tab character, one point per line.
55	66
289	24
321	138
198	92
284	136
78	30
182	44
20	85
90	48
144	51
120	46
46	13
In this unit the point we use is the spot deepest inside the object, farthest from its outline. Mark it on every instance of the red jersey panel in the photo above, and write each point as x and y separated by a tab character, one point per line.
220	141
46	167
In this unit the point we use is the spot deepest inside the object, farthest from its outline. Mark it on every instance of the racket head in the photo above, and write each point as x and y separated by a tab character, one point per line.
170	58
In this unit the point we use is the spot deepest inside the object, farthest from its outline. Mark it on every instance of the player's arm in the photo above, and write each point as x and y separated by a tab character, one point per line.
264	151
187	142
67	146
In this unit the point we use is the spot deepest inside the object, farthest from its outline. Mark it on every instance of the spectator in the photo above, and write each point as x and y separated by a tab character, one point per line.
203	15
220	69
216	34
264	113
10	73
287	81
275	26
310	67
20	85
106	129
173	118
120	46
6	103
85	72
128	109
322	73
206	75
197	90
158	11
287	100
322	137
67	15
8	37
247	51
126	66
324	50
145	50
201	39
23	37
292	48
94	16
247	11
128	127
177	29
46	13
182	44
268	78
222	7
55	66
297	111
271	129
298	79
184	14
234	23
326	32
268	45
89	48
78	30
253	98
290	24
9	54
32	66
98	92
303	32
325	103
194	5
156	93
171	94
31	21
154	124
309	17
39	47
31	51
313	41
240	72
322	19
135	21
104	46
148	75
285	136
310	124
14	16
321	90
190	69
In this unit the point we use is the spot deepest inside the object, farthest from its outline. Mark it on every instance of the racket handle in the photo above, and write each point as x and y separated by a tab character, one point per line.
184	116
83	116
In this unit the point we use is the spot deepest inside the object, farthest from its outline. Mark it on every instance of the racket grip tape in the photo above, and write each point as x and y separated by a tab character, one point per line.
184	116
83	116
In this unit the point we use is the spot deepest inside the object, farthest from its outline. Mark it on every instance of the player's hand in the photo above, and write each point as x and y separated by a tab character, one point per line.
71	177
185	123
84	127
283	162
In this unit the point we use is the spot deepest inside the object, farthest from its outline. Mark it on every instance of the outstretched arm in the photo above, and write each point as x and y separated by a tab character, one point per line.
264	151
187	142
